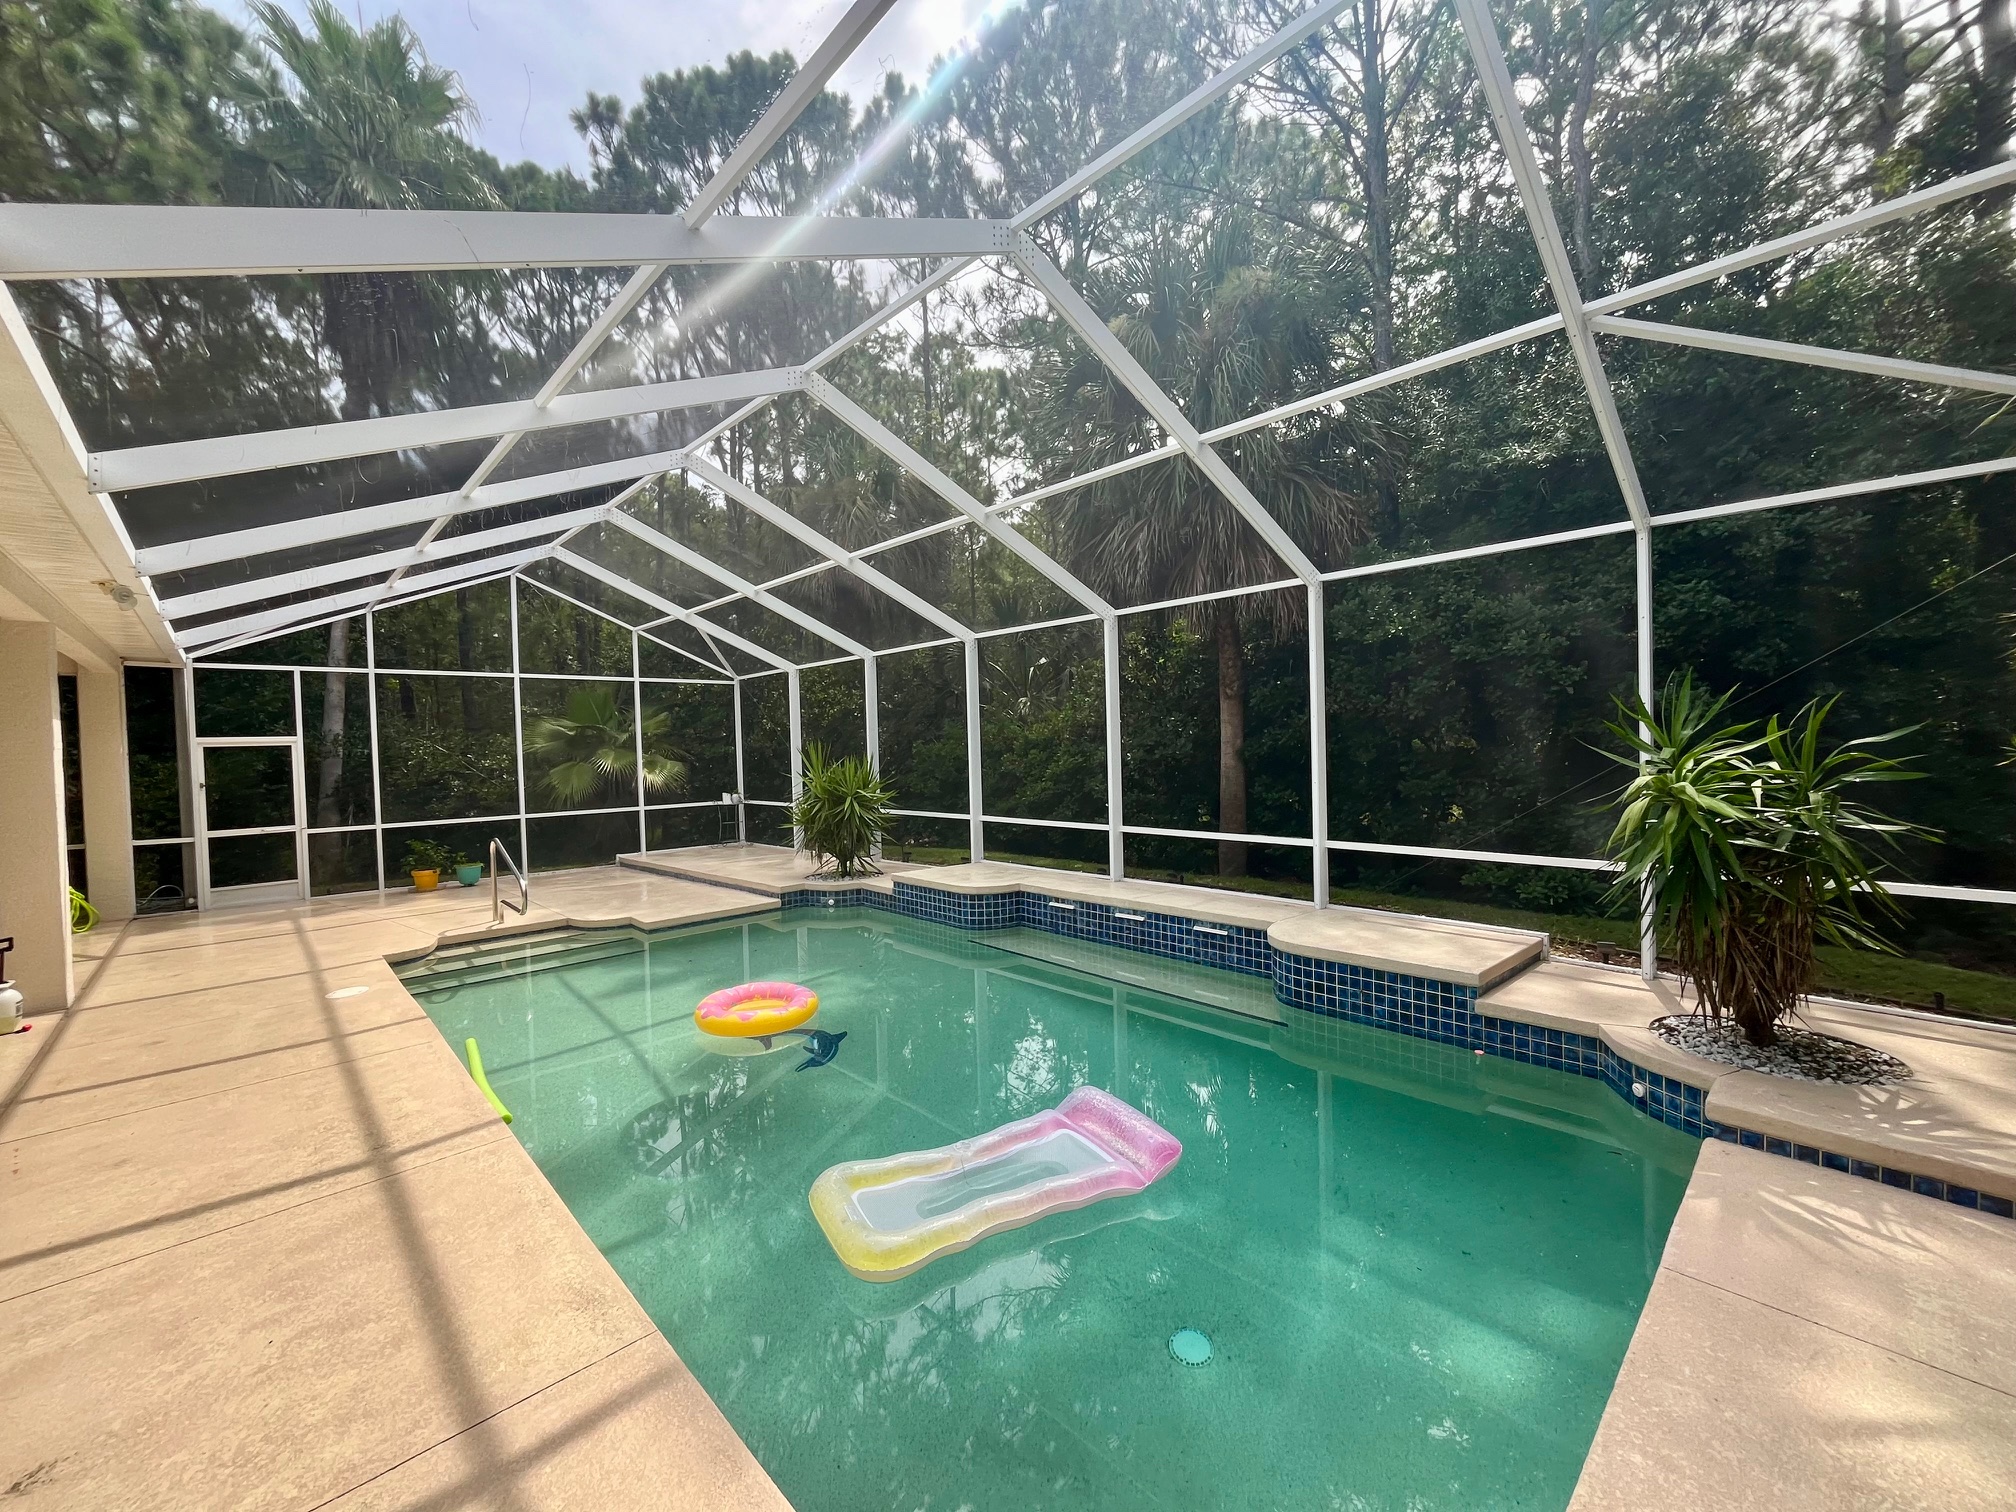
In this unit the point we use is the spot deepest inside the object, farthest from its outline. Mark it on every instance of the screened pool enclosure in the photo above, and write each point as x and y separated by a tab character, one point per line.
387	613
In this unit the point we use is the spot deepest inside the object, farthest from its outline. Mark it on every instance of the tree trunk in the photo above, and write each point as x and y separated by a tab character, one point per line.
924	313
465	654
1376	187
1896	79
367	321
1997	112
1231	739
1578	144
335	689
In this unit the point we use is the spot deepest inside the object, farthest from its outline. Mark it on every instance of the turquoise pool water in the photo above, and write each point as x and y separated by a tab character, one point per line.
1417	1268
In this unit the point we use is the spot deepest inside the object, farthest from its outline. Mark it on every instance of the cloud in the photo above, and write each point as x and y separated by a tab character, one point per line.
526	65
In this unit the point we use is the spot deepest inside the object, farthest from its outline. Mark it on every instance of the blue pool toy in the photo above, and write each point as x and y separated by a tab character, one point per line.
820	1048
819	1045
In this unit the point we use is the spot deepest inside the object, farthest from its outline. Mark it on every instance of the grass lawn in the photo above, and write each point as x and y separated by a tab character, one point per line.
1843	973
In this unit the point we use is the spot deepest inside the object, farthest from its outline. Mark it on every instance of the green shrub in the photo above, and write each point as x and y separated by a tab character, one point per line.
1751	847
842	812
428	855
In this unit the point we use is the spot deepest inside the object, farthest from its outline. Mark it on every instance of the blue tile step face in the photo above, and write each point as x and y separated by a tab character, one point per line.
1559	1049
1447	1011
822	897
1672	1102
959	910
1229	947
1428	1009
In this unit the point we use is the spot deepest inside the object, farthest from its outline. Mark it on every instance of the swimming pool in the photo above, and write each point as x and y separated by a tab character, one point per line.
1416	1268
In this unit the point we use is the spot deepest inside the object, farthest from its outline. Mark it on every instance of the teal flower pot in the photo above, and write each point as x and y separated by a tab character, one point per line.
470	873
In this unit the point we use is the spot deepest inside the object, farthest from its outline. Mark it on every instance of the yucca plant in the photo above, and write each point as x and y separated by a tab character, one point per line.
1752	846
842	812
591	745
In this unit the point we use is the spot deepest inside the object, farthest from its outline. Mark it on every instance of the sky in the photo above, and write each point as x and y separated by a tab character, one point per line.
526	63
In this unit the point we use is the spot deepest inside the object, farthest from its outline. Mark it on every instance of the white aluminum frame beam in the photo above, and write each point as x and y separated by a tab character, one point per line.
670	610
226	241
803	88
1842	226
1198	100
831	550
224	456
1853	224
627	299
699	562
1137	142
899	451
1194	103
209	600
222	648
1488	55
551	591
202	551
1072	306
1546	325
338	525
1933	373
274	620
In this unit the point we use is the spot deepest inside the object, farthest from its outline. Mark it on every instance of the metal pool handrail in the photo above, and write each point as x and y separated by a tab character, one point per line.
482	1081
497	900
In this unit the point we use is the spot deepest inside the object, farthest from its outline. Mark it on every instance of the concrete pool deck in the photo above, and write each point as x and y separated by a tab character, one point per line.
262	1244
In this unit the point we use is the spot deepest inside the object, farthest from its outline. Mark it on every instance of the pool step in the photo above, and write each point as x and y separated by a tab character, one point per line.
1232	991
480	961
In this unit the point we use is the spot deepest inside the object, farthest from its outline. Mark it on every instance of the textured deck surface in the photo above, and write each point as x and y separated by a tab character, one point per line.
263	1245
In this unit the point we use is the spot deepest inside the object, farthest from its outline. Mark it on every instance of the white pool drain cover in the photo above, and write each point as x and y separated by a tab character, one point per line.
1190	1345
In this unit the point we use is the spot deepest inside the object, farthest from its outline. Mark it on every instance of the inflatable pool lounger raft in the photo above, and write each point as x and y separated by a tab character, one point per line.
886	1218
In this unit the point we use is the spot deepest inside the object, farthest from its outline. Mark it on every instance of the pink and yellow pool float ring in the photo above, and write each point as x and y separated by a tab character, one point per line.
756	1010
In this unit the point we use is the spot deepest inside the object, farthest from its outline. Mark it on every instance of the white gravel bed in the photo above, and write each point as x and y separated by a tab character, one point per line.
1801	1054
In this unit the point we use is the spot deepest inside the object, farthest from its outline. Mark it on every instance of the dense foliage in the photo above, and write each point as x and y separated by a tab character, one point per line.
1345	213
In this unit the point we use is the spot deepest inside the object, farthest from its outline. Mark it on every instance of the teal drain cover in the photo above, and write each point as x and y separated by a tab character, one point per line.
1190	1345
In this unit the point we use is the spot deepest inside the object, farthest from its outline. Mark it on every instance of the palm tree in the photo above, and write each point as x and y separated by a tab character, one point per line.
361	121
1225	332
592	745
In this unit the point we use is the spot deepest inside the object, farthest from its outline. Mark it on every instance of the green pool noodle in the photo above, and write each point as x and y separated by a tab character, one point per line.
482	1081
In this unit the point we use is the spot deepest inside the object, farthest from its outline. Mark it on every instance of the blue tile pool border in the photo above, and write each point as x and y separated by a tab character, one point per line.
1230	947
1868	1170
1423	1007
